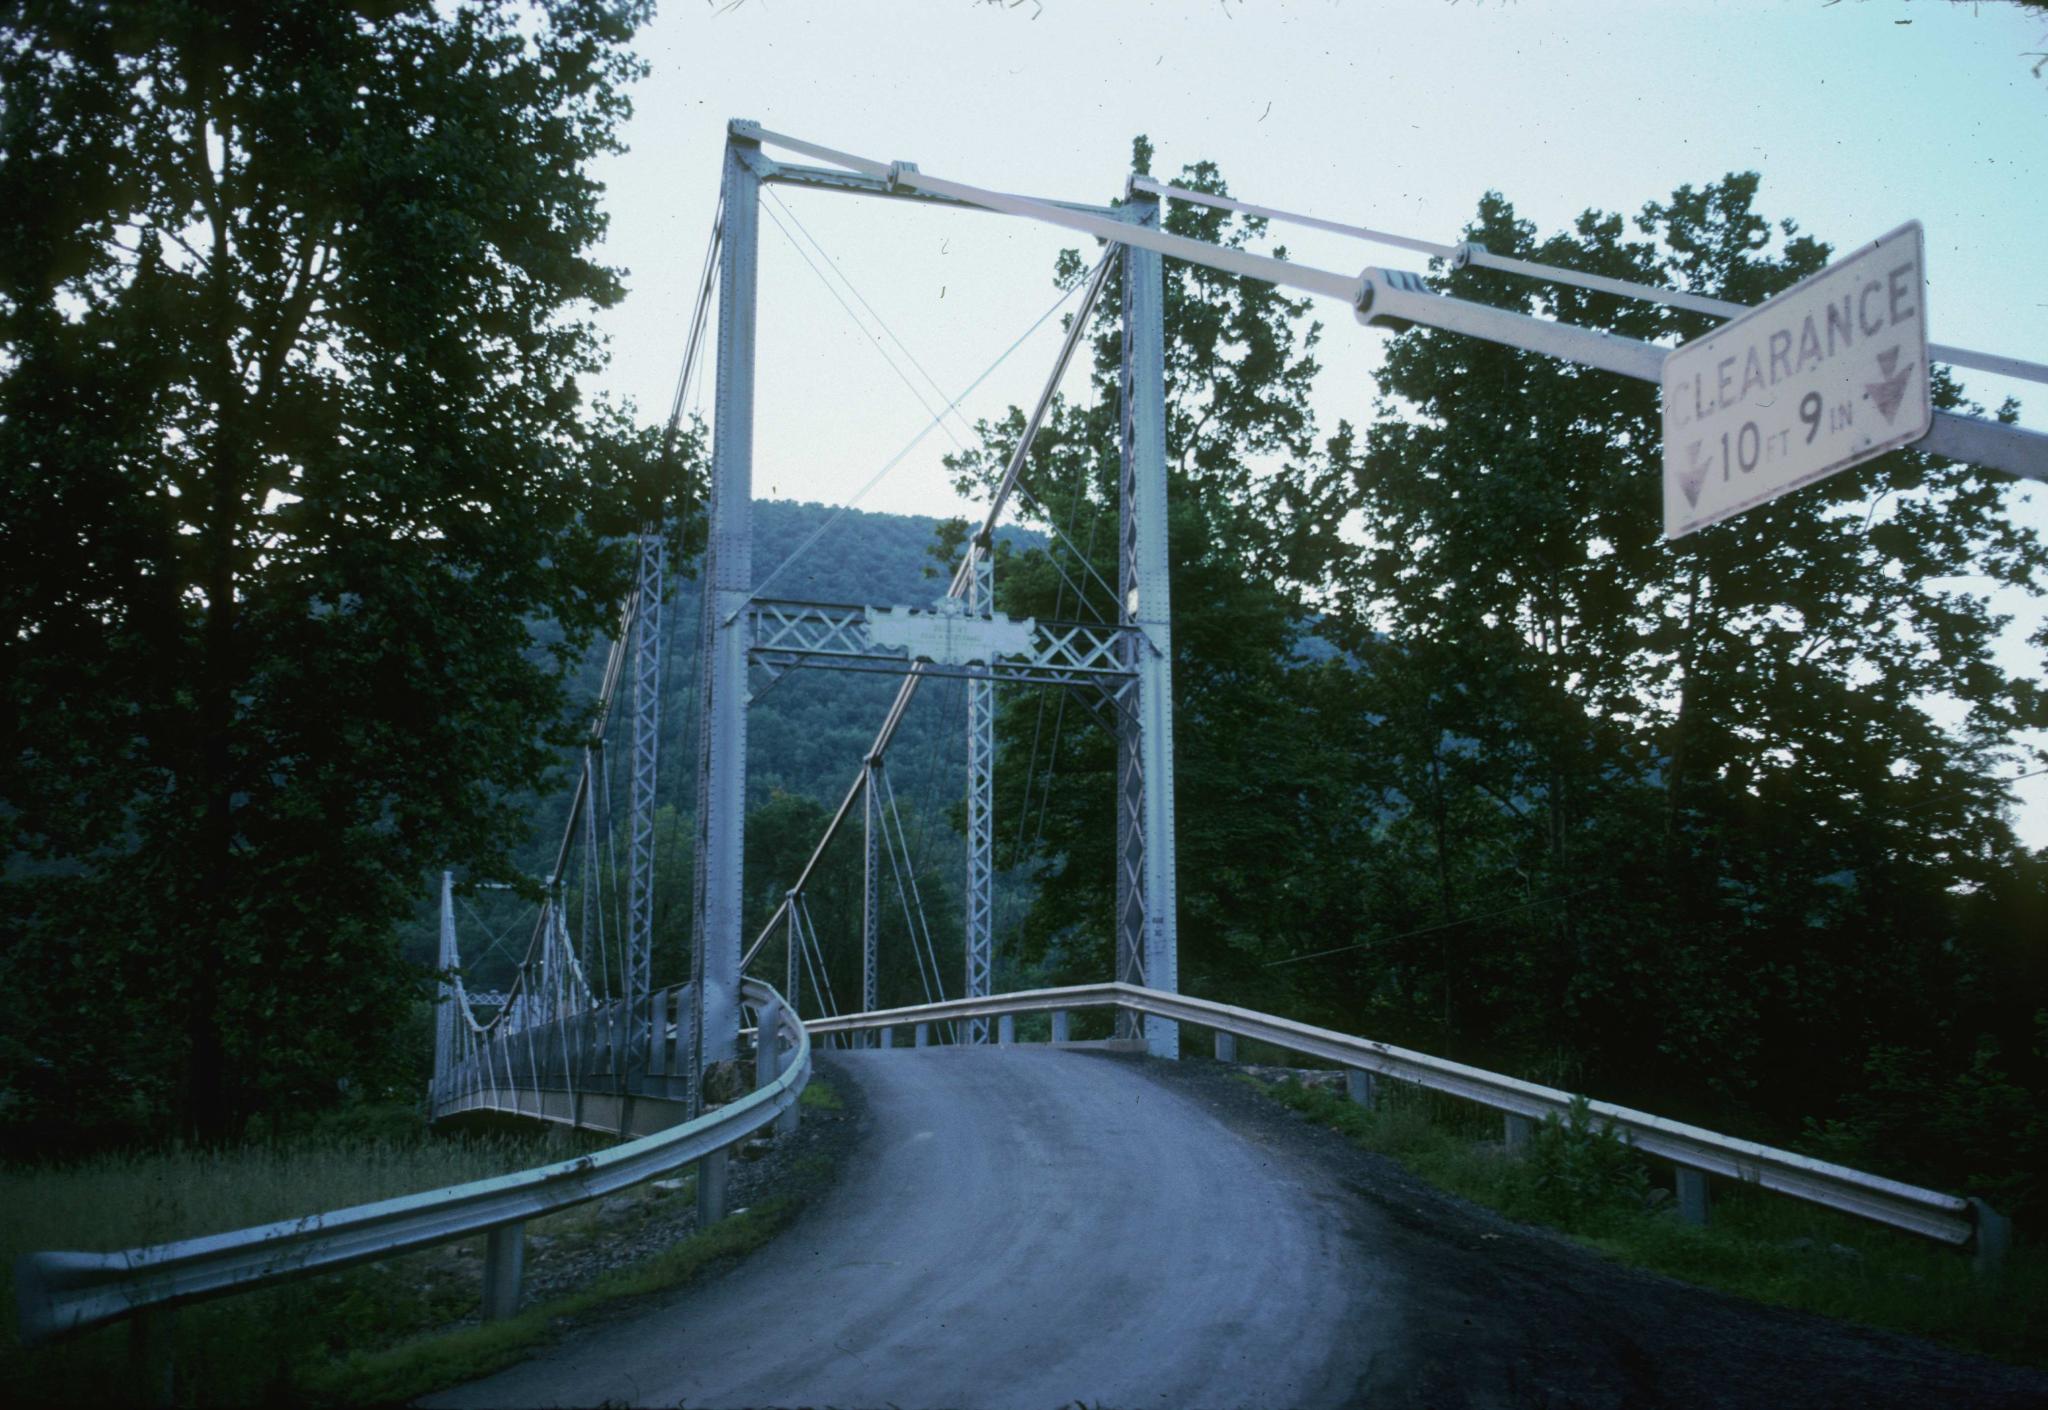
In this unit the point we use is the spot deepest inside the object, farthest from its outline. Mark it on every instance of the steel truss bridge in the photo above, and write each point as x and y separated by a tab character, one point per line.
576	1038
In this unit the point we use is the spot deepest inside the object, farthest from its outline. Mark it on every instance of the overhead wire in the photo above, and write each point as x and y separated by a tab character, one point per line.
1480	257
854	318
854	289
1038	724
923	919
893	461
903	896
931	946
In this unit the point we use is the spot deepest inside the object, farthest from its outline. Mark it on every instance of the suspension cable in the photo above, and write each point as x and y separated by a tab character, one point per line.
821	980
1479	257
699	318
1225	203
917	896
854	289
910	922
903	897
893	461
854	318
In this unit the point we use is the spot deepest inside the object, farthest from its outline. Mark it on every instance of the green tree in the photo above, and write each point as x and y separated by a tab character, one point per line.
294	305
1716	755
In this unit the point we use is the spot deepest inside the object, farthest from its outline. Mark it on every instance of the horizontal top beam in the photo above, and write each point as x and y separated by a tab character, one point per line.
853	183
1397	298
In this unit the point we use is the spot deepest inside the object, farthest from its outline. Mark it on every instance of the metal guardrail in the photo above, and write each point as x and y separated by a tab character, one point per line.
1948	1219
57	1294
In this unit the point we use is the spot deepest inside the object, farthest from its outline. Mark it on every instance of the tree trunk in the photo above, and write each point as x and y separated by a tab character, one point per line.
209	1107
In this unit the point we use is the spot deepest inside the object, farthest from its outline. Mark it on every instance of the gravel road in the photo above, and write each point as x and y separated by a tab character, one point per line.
1021	1227
1038	1228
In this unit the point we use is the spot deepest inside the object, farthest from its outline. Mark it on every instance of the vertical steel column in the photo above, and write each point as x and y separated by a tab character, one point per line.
727	579
444	1008
1146	947
792	987
646	757
870	885
981	783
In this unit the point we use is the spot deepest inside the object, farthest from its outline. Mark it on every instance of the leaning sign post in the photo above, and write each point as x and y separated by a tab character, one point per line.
1826	375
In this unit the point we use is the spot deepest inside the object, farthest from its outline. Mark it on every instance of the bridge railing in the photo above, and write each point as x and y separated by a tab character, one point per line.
60	1293
613	1049
1696	1152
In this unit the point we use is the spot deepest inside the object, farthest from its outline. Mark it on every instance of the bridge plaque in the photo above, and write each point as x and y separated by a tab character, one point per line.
1829	374
948	635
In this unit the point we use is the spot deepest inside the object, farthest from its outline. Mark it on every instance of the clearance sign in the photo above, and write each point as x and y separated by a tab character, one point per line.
1828	374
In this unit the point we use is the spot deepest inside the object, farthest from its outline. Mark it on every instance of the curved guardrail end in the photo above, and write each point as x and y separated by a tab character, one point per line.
35	1317
1990	1236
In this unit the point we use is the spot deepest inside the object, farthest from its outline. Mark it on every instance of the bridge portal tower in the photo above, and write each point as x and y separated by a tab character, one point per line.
728	579
1126	665
981	802
1147	945
647	638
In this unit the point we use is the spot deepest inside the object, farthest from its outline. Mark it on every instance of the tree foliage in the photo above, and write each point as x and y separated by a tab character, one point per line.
1470	758
294	302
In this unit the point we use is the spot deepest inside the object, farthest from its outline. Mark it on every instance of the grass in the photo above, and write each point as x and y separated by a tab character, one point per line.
398	1374
377	1333
1757	1245
131	1198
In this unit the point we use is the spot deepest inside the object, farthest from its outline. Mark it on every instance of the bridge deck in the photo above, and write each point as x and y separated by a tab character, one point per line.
1023	1226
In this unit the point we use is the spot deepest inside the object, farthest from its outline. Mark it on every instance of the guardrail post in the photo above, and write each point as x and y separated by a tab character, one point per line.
785	1124
1006	1028
504	1267
888	1037
1692	1195
1516	1130
1226	1046
767	1049
711	1172
1993	1237
1361	1088
1062	1031
924	1035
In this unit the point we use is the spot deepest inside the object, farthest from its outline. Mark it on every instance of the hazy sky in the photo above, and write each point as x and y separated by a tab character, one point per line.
1390	113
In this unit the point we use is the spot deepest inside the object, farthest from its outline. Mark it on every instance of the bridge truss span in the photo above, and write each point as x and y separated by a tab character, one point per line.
789	636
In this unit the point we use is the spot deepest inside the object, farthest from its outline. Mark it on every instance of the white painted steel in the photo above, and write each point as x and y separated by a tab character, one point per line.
1147	944
1272	271
1471	252
60	1293
1314	222
1944	1218
1394	297
1859	392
